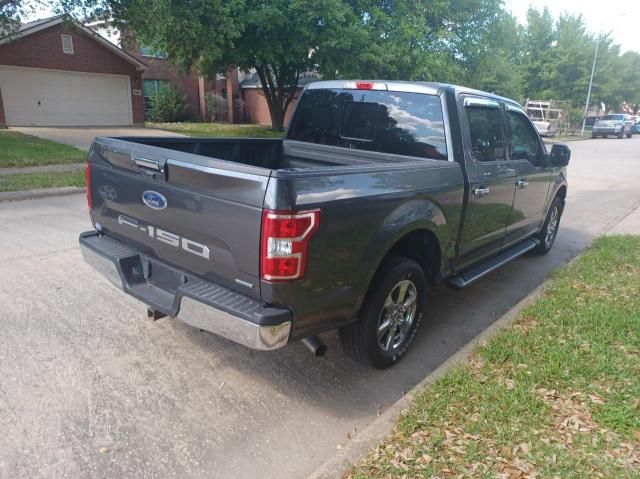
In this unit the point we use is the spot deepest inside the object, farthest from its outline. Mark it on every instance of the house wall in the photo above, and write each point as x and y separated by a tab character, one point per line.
160	69
257	110
43	49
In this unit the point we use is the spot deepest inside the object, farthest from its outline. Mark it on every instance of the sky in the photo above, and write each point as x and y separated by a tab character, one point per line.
621	17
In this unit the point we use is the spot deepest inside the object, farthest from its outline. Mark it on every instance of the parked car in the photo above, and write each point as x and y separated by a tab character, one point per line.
636	127
590	121
378	190
619	124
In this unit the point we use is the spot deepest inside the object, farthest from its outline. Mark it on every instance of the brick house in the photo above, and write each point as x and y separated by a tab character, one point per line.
256	109
161	74
58	72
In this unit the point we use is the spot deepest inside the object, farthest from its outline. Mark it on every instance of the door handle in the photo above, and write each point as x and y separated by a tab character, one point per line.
147	163
522	183
481	191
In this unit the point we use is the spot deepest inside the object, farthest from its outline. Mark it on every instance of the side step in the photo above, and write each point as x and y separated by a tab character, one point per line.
464	279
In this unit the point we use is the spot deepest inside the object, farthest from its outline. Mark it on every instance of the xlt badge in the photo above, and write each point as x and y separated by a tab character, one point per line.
166	237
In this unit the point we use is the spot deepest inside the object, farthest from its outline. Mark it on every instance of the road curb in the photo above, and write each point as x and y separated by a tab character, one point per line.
40	193
361	444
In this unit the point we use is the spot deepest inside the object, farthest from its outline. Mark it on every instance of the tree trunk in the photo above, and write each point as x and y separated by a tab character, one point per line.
277	93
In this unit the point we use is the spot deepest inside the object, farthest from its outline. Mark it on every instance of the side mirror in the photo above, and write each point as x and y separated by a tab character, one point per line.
560	155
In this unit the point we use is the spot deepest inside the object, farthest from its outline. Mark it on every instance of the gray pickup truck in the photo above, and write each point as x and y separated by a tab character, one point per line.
378	191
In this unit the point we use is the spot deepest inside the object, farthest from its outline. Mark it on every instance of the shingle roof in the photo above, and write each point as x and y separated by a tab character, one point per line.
253	81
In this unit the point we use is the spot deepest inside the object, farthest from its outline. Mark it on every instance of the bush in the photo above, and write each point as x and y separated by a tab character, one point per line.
168	105
215	104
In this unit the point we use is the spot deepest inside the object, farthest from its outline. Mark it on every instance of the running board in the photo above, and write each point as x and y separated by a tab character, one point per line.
464	279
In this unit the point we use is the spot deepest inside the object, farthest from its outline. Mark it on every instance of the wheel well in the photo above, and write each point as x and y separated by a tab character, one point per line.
562	193
423	247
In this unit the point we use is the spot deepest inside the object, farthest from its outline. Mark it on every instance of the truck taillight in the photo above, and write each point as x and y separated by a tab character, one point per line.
87	172
284	243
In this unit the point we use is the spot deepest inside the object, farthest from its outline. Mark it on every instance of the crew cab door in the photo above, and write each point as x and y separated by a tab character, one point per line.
491	178
527	156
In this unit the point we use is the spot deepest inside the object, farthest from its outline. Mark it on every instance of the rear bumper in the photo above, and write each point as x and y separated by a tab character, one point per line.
201	304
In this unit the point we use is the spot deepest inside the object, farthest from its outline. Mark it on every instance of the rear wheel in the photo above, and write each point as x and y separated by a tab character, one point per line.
621	134
547	235
630	134
390	315
593	135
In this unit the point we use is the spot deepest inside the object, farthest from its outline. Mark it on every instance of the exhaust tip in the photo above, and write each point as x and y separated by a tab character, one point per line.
315	345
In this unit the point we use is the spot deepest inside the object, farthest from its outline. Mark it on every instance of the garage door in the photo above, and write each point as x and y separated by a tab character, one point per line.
34	97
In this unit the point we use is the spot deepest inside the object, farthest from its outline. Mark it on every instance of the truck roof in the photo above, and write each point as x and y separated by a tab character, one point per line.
430	88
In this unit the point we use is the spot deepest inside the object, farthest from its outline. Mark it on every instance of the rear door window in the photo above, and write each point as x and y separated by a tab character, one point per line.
409	124
485	132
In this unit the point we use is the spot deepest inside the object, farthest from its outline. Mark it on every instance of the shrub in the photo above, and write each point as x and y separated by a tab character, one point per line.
168	105
214	104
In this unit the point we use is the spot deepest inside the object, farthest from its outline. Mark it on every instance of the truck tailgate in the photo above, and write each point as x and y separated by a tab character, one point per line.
199	214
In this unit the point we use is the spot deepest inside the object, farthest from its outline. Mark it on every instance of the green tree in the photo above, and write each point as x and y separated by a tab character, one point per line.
279	39
630	80
496	70
538	41
12	12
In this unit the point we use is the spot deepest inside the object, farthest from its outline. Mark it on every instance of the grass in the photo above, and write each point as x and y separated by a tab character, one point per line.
33	181
217	129
19	150
557	395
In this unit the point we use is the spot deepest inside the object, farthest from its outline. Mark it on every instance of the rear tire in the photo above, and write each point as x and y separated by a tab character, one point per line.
593	135
621	135
629	135
547	235
390	315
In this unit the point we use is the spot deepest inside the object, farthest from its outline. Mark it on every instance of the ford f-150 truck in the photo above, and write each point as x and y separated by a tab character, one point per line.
379	190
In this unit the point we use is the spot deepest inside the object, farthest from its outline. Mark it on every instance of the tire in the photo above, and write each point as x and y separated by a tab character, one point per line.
621	135
629	135
365	340
593	135
547	235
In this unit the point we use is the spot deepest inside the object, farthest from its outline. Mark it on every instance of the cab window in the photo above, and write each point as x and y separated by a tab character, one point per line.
524	139
485	131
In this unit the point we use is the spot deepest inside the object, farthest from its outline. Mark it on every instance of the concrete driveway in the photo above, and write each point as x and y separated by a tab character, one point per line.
83	137
89	388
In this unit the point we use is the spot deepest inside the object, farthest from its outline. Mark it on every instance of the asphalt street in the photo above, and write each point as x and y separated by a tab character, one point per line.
90	388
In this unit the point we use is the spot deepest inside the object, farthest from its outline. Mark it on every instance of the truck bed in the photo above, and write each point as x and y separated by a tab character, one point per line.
271	154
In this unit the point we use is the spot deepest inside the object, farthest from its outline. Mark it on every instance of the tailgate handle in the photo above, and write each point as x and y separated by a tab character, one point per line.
147	163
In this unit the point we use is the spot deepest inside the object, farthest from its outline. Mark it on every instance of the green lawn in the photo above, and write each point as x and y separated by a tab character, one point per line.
557	395
33	181
217	129
18	150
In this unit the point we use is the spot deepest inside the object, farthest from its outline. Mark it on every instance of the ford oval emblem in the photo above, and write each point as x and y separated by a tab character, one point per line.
154	200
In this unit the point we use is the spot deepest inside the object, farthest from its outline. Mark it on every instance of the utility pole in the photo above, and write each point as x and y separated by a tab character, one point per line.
586	106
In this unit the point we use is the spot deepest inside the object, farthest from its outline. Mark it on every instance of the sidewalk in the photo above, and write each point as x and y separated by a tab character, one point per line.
43	169
628	226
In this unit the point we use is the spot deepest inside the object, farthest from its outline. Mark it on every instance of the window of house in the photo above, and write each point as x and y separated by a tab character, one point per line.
487	142
67	44
151	88
152	52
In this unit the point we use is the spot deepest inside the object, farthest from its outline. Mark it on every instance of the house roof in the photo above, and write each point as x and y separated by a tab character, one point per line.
39	25
253	81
